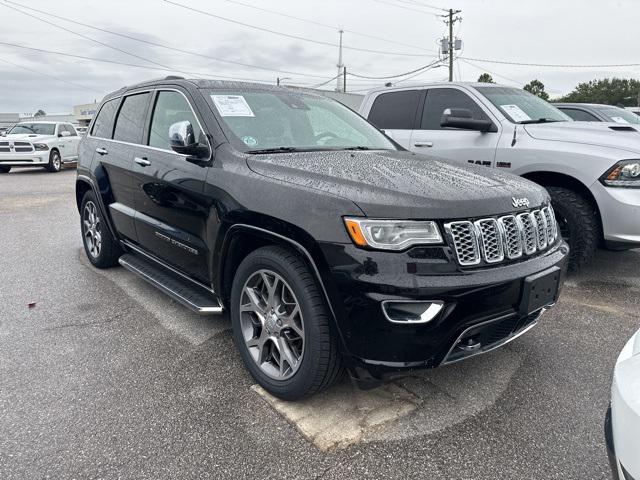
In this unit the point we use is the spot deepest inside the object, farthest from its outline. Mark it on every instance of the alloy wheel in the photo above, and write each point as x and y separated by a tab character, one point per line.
272	324
55	161
92	229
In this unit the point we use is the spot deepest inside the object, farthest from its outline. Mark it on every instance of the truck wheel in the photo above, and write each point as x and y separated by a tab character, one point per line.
281	325
578	223
5	169
101	248
55	162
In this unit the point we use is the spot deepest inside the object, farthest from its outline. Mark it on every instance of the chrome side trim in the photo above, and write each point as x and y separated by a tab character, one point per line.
499	344
165	265
186	302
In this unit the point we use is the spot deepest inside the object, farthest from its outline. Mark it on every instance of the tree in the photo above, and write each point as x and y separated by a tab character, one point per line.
537	88
610	91
40	113
485	78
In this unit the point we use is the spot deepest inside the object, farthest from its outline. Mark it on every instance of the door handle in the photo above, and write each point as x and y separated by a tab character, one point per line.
423	144
142	161
101	151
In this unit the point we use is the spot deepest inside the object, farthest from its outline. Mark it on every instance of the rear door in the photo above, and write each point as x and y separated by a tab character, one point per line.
74	141
453	143
171	211
397	113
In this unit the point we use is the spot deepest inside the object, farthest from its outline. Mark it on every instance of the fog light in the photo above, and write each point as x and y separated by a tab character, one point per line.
398	311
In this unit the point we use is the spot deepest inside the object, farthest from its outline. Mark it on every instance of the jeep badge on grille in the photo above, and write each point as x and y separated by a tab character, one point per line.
520	202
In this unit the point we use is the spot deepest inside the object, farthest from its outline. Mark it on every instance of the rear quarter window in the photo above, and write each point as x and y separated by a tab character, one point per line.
103	124
395	110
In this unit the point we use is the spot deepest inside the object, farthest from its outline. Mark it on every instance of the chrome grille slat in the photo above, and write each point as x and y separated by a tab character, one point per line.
492	240
465	239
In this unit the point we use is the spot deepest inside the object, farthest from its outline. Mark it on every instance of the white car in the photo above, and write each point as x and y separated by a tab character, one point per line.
39	144
591	170
622	425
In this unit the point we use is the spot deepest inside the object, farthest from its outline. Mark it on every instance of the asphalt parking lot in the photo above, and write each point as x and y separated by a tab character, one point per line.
107	378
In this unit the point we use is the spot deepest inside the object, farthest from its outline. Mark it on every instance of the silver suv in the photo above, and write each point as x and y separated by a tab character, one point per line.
591	170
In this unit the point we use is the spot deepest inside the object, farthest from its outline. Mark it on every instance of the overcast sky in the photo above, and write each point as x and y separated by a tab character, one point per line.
592	32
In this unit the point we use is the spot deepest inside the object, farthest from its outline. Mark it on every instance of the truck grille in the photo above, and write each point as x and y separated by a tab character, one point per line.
19	147
4	147
492	240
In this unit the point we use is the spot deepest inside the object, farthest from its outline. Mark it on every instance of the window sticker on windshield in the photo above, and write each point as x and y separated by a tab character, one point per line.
232	106
515	112
250	141
619	120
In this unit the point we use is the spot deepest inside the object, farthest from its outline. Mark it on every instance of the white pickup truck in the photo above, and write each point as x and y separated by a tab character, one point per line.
39	144
591	170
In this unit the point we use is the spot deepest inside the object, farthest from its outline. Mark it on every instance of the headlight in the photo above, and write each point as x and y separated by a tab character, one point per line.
41	146
392	234
624	174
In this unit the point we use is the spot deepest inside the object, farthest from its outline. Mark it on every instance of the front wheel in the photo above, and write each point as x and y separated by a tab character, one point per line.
55	162
281	325
101	248
578	223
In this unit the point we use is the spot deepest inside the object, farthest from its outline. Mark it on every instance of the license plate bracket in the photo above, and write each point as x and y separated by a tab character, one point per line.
540	290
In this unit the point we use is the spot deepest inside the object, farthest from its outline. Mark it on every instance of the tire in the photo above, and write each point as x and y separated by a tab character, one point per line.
106	252
578	222
318	362
55	162
5	169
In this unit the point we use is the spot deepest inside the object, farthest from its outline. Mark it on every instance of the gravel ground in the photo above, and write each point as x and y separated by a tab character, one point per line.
107	378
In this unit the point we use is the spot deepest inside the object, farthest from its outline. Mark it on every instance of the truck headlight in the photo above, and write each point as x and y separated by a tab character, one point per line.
623	174
392	234
41	146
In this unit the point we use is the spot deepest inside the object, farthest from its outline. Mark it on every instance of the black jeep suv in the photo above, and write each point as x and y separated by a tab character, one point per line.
329	245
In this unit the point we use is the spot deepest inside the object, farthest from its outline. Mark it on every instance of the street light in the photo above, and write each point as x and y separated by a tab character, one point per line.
278	80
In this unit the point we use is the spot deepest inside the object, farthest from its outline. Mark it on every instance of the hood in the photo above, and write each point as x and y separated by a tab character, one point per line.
402	184
603	134
29	137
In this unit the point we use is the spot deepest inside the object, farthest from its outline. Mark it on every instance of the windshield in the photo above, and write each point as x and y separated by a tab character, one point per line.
264	120
520	106
619	115
33	128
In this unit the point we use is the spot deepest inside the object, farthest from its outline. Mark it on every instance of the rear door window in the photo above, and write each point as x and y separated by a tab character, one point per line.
103	124
440	99
395	110
131	118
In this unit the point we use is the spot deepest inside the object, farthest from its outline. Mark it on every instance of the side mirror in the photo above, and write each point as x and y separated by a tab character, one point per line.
462	118
182	140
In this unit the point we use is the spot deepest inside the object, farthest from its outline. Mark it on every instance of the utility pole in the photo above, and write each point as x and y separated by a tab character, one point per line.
340	65
450	21
344	79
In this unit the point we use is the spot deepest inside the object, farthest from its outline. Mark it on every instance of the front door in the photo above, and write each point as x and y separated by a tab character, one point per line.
465	146
171	211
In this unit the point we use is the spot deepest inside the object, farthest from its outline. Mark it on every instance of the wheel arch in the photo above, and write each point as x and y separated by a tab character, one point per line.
242	238
556	179
85	184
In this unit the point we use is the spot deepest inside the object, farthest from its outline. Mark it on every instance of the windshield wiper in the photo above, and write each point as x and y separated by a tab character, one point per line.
277	150
358	147
540	120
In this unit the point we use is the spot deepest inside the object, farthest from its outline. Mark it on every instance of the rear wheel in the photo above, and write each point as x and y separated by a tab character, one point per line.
55	162
281	325
578	223
5	169
101	248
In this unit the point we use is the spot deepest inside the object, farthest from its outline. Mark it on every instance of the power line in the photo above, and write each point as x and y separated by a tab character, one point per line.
552	65
325	25
39	72
324	83
86	37
404	7
288	35
390	76
420	4
168	47
482	69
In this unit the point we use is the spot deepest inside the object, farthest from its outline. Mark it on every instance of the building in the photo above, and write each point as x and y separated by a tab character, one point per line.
84	113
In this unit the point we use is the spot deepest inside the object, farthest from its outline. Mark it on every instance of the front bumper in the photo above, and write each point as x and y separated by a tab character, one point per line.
483	296
625	414
620	212
24	159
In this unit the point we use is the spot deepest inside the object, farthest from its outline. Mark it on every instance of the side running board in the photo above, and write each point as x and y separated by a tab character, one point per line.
196	298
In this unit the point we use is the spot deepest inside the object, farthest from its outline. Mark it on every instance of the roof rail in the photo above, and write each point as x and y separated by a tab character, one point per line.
173	77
